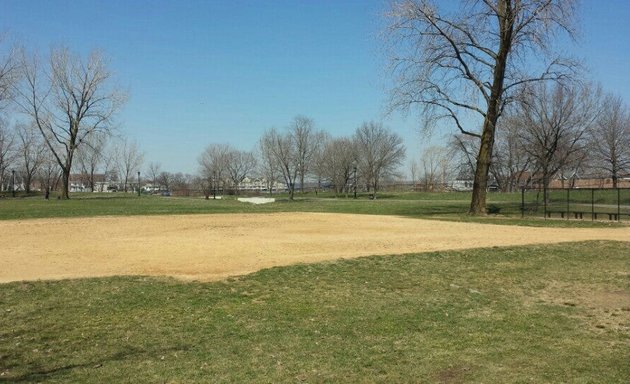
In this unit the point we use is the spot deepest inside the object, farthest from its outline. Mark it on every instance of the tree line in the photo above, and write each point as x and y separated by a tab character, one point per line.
300	153
58	121
57	116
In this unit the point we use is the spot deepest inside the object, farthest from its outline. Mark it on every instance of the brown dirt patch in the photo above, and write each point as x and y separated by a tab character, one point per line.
212	247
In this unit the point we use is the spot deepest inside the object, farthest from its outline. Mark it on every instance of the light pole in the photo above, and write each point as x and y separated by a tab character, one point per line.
13	182
138	183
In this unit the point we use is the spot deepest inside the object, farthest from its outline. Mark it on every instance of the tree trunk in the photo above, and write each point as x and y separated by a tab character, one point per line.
480	185
65	179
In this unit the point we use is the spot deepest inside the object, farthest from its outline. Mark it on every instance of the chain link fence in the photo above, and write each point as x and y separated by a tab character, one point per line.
611	204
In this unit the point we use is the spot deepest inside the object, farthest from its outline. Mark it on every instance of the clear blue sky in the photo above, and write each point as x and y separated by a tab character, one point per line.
201	72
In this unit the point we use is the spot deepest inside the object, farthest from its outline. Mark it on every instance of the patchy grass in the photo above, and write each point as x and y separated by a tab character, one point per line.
522	314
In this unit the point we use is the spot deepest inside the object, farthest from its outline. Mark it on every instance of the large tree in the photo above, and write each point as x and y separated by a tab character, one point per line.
70	99
464	66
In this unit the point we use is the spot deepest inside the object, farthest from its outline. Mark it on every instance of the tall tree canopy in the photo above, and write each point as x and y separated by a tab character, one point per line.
466	66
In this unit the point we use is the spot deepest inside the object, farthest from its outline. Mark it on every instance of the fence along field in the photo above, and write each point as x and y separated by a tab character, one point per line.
611	204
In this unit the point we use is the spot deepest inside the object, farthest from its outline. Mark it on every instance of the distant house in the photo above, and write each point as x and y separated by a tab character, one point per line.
260	184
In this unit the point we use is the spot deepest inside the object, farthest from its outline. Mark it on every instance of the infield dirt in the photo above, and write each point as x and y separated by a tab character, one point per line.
213	247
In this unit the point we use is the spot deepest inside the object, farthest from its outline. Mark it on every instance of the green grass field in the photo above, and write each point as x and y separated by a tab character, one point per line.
541	314
443	206
526	314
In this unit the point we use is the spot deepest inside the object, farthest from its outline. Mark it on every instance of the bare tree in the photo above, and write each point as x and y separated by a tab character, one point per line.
165	180
129	161
436	166
32	152
153	172
90	157
70	99
239	165
213	165
464	148
7	153
307	140
284	151
379	153
338	162
413	170
49	173
9	74
510	161
465	66
318	168
610	139
554	125
268	166
181	183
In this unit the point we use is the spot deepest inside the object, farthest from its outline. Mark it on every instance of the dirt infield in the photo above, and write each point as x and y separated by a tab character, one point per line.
212	247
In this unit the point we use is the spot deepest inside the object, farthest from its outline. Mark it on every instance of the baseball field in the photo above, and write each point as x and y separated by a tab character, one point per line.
189	291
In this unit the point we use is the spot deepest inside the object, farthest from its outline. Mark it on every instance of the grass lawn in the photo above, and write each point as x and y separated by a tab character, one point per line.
443	206
541	314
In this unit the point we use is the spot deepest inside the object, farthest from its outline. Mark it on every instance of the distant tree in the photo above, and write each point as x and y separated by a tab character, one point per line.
239	165
49	173
307	141
7	153
165	180
436	164
610	140
213	165
464	148
338	161
319	168
130	160
32	152
153	172
268	166
466	66
181	183
413	170
90	158
510	161
70	100
554	125
284	151
379	153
